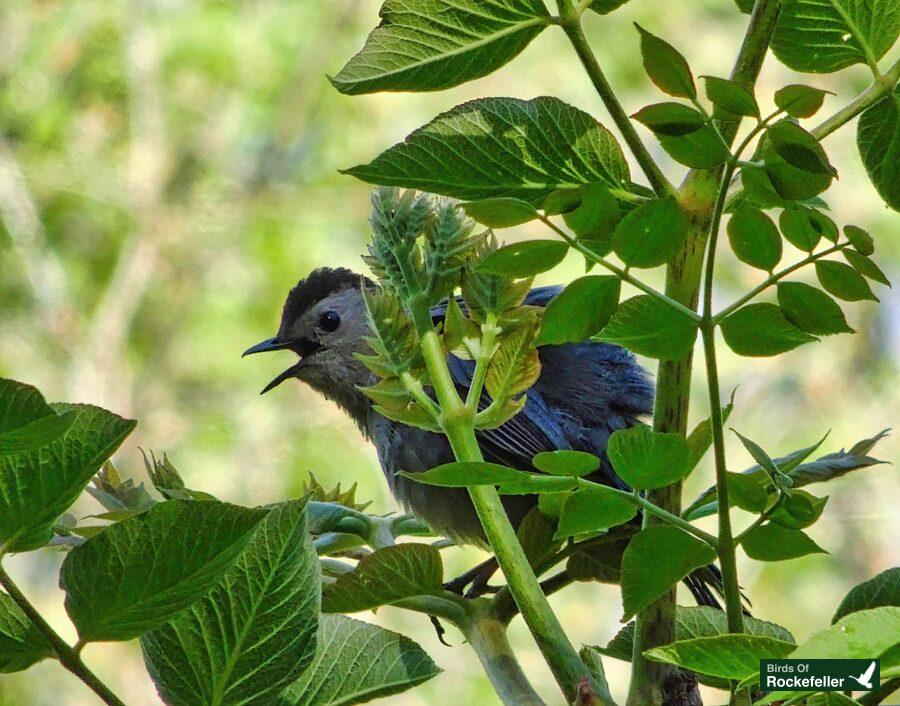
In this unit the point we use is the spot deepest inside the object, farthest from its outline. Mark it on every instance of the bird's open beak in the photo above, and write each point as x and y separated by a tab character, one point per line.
273	344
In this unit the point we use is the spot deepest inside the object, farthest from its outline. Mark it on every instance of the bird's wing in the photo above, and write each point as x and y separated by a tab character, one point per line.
539	296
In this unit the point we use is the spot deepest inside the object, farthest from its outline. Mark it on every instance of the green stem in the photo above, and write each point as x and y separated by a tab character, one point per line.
774	279
67	656
618	271
880	87
570	21
489	332
487	636
655	626
457	422
670	518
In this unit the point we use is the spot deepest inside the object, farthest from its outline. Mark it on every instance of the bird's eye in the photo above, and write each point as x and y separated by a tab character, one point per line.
329	321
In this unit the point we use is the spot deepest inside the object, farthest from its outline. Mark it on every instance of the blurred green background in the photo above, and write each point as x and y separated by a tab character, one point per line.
168	170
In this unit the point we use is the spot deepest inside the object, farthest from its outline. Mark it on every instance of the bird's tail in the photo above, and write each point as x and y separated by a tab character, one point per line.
706	583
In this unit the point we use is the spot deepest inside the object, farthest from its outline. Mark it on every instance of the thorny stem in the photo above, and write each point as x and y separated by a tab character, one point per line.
570	21
618	271
68	656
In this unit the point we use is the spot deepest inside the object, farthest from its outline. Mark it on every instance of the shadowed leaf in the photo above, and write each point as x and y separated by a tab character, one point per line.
878	591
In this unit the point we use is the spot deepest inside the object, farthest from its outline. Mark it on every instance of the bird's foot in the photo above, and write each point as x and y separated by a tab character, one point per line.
475	579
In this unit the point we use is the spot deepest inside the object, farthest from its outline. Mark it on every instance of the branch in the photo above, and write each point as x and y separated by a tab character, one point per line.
874	93
67	656
570	21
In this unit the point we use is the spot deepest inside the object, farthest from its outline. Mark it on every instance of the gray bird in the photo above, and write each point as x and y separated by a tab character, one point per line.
585	392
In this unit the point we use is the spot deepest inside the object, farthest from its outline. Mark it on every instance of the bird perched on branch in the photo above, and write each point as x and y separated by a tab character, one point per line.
585	392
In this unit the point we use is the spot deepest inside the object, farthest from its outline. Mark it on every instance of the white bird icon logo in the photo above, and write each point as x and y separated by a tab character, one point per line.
865	679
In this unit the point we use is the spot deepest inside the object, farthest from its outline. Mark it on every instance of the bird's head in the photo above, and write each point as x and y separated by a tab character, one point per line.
324	322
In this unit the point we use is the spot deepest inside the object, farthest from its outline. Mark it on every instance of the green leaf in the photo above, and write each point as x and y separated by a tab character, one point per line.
878	140
799	510
580	310
535	534
760	329
866	267
599	562
791	182
865	634
878	591
21	644
525	259
700	438
656	559
800	101
566	463
831	698
647	459
754	238
723	656
860	240
840	32
464	473
141	572
746	492
798	148
533	484
500	212
730	96
565	200
465	40
593	508
515	366
36	434
772	542
822	223
503	147
385	576
651	234
650	327
810	309
603	7
392	664
843	281
798	229
693	622
595	217
701	149
665	66
38	483
255	632
671	119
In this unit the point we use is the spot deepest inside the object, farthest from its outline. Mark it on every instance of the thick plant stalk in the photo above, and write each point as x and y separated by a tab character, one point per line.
457	421
66	654
653	683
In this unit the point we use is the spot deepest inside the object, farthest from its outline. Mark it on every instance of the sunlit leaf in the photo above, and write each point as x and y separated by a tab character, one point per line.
141	572
503	147
356	662
723	656
385	576
821	36
466	40
878	140
463	473
255	632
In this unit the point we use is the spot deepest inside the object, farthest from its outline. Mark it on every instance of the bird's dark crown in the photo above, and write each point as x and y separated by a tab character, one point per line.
319	284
